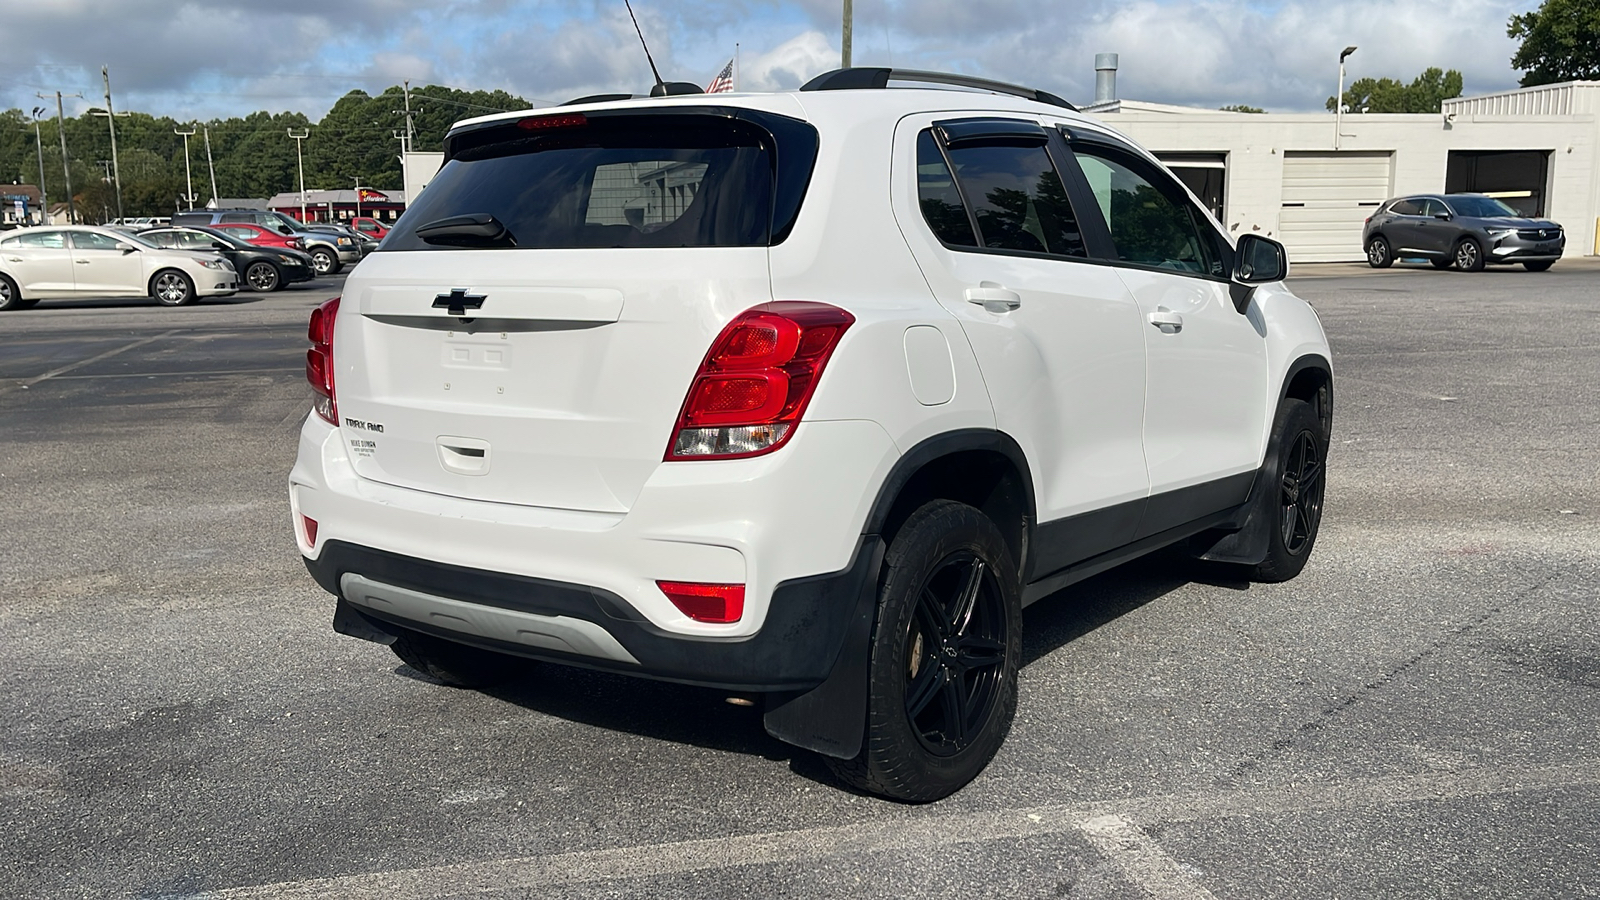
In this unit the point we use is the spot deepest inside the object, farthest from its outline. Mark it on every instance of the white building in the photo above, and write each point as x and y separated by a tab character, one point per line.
1537	149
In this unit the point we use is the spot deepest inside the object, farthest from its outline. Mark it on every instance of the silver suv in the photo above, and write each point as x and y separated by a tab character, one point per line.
1467	231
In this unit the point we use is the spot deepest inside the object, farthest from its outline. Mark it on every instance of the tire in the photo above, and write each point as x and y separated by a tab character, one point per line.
1538	266
455	665
263	277
1445	263
944	656
11	295
1379	256
1299	474
1468	255
325	261
171	287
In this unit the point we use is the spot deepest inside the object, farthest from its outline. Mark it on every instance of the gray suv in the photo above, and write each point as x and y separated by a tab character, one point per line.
331	249
1467	231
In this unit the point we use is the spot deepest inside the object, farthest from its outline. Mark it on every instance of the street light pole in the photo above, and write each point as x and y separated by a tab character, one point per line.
111	122
66	166
358	196
1338	99
38	143
209	165
849	26
188	181
299	158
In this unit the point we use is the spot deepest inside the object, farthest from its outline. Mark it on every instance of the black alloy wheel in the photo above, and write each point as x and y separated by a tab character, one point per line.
1301	494
1299	474
262	277
955	648
942	664
1378	255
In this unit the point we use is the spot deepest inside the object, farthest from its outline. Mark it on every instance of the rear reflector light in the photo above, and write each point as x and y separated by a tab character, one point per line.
319	361
706	602
311	530
543	123
756	380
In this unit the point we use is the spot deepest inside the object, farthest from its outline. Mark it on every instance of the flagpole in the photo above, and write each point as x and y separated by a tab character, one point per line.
736	67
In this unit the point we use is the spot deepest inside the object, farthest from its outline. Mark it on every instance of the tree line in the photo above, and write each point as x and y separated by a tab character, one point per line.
253	155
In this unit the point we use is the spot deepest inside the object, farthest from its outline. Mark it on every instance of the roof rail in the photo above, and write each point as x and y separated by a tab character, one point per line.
872	78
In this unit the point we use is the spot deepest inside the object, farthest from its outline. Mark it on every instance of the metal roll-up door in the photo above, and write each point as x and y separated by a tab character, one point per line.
1327	198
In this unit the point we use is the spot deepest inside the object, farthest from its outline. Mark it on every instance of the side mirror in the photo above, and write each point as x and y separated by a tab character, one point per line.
218	245
1260	260
284	229
126	247
1442	216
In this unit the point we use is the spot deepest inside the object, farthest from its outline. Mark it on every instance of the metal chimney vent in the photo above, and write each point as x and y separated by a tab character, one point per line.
1105	77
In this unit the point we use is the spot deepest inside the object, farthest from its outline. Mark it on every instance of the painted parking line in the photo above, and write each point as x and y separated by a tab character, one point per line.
1108	825
30	382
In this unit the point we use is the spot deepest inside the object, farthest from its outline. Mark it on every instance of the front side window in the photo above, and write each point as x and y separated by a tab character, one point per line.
163	239
1149	226
1018	199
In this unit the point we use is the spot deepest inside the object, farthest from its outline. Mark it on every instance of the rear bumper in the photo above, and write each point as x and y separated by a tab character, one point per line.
590	627
761	522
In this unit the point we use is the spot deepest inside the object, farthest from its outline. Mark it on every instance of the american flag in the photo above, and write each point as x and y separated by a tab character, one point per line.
723	83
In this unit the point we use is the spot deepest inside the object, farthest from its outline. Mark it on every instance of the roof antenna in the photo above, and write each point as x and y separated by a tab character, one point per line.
660	85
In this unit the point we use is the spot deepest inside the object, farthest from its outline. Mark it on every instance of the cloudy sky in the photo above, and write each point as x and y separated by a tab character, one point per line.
192	59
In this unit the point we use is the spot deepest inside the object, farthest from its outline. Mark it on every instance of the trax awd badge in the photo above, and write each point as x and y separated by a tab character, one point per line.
458	301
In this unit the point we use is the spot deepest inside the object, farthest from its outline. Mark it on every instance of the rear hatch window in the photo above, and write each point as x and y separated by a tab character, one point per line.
571	181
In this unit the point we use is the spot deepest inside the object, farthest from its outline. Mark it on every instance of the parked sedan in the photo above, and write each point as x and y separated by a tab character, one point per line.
259	235
1467	231
264	268
69	261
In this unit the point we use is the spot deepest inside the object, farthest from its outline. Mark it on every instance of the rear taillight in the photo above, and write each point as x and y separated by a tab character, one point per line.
319	361
756	380
706	602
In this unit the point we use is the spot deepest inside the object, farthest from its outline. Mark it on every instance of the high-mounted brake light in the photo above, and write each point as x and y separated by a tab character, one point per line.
319	361
543	123
756	380
706	602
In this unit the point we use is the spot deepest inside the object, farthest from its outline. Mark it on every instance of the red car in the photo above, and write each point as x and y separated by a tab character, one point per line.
370	227
261	236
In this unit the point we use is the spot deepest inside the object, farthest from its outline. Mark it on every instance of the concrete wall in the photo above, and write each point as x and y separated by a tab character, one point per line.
1255	144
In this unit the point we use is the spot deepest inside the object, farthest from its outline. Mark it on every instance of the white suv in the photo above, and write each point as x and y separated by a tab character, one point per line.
802	395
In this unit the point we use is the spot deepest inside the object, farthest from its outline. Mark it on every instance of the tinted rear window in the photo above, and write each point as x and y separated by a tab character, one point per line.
639	181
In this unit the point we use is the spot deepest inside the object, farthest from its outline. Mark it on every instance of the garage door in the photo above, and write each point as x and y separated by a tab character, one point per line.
1326	199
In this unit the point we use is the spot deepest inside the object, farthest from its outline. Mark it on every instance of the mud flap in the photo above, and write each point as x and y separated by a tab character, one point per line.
831	718
348	620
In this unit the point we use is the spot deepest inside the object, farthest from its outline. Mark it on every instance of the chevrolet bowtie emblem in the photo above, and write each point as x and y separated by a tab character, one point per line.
458	301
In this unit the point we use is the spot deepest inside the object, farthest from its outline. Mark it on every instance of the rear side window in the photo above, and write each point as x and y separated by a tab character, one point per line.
1018	199
1405	208
622	181
938	197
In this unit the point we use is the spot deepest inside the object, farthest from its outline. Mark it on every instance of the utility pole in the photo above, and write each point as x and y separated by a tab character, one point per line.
66	166
849	16
358	196
1338	99
209	164
38	143
188	181
304	133
111	122
411	132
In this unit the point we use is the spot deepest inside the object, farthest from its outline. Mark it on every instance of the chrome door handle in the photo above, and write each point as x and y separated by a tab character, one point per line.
81	262
14	258
1164	319
994	298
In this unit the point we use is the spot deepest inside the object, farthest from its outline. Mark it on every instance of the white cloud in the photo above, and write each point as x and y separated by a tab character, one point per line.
790	64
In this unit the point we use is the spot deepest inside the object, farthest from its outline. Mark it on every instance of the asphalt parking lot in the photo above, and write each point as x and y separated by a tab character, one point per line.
1418	715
